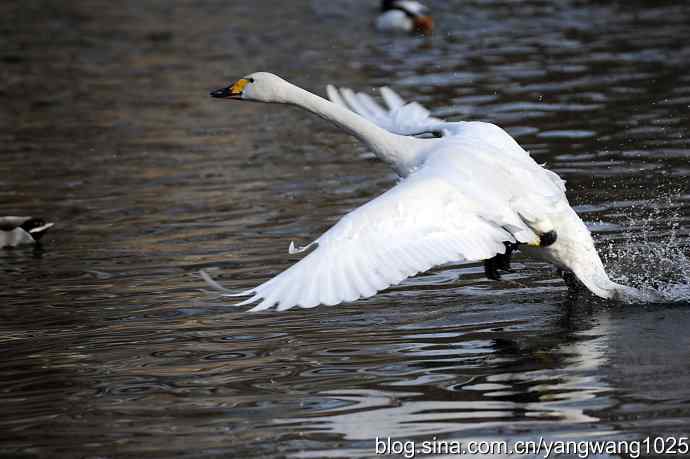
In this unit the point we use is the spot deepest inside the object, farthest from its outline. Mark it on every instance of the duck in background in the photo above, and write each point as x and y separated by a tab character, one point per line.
404	16
15	231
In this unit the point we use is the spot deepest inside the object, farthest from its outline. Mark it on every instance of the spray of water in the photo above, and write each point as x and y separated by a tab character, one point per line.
654	253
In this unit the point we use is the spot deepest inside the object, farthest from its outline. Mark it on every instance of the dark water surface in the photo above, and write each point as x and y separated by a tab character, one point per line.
109	346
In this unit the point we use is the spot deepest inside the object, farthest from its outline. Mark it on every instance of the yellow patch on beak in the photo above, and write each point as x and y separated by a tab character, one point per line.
535	243
238	87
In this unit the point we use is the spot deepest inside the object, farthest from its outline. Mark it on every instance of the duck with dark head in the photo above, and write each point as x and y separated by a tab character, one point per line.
16	231
404	16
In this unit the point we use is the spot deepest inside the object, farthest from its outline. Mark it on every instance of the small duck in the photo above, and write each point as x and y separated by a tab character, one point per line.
15	231
404	16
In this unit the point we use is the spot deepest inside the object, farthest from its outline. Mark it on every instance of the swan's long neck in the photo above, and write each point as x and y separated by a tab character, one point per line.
401	152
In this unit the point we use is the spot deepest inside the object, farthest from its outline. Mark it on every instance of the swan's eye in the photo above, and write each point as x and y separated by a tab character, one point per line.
251	80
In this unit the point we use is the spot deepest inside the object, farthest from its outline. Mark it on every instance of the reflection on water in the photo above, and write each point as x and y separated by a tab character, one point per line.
111	348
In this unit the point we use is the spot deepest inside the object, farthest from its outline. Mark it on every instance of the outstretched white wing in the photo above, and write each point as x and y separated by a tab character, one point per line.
399	117
434	216
413	119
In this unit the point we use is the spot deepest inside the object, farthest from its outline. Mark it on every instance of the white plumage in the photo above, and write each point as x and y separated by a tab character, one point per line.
461	197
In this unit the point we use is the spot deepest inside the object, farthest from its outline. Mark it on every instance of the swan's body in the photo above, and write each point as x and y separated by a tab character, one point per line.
463	197
16	231
404	16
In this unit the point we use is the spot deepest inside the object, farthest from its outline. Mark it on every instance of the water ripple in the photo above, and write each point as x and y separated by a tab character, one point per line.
110	346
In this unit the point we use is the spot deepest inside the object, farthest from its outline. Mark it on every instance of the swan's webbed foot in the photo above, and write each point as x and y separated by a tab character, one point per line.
499	262
491	269
574	286
503	259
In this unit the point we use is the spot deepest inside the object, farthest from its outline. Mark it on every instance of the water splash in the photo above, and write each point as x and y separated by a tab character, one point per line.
654	253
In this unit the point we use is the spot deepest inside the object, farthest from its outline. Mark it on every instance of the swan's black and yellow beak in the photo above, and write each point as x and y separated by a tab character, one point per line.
231	92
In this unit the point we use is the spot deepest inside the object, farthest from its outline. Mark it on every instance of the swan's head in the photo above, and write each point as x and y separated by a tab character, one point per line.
259	87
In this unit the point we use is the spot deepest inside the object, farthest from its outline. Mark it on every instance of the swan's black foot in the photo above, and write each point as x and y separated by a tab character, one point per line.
491	269
569	279
503	259
500	262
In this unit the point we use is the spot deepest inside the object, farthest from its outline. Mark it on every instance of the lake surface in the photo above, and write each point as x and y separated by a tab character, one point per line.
112	348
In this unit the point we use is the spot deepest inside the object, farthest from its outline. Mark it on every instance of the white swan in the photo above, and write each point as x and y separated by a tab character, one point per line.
404	16
16	231
470	194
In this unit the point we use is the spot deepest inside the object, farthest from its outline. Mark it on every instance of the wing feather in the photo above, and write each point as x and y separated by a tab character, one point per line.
424	221
371	105
399	117
412	119
392	99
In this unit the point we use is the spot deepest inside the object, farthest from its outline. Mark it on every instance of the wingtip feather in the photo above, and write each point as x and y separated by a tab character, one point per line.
218	287
392	99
